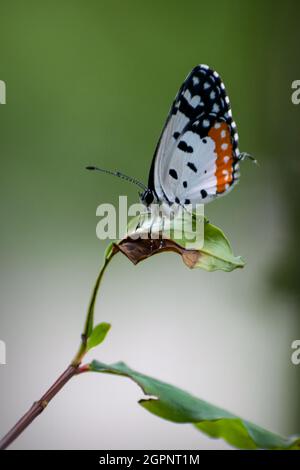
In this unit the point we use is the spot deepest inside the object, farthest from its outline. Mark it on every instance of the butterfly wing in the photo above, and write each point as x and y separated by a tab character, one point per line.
197	156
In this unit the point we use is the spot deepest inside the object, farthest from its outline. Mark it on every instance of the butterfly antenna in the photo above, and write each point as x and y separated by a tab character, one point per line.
119	175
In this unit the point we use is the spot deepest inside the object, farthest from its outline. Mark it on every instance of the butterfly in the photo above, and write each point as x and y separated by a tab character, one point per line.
197	156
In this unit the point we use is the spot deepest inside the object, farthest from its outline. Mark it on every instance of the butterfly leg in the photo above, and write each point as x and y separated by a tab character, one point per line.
161	242
140	221
138	224
150	231
245	155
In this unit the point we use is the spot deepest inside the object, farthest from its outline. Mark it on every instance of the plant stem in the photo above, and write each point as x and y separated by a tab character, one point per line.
38	407
89	322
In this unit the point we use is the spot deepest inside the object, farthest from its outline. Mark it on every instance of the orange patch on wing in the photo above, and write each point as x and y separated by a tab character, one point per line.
220	133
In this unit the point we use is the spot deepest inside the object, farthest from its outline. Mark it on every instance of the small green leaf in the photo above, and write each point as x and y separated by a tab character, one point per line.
176	405
98	335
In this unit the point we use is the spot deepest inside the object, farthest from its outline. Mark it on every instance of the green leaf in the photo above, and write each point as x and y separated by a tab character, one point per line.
176	405
213	251
98	335
217	252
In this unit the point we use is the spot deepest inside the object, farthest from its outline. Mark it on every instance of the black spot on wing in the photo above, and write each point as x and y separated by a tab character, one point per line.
176	135
192	166
203	193
184	184
185	147
173	173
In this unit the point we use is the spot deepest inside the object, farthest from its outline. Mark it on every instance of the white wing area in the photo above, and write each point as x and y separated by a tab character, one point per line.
189	177
175	125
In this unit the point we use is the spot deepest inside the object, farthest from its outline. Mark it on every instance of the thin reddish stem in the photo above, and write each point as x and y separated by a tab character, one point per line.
37	407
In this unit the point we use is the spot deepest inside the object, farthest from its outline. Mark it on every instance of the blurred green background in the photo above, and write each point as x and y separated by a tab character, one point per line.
91	82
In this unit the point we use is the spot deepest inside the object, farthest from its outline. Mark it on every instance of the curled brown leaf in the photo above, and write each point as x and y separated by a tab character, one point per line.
139	249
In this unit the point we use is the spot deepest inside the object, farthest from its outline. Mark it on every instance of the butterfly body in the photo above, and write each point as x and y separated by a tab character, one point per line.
197	156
